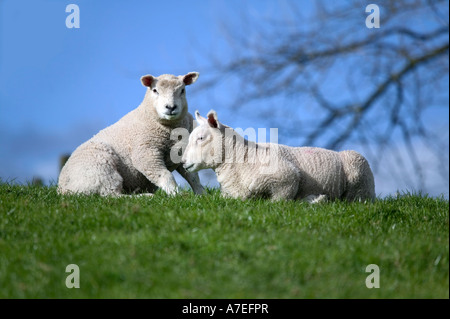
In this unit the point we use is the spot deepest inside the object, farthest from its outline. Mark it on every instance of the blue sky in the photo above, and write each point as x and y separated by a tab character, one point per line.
60	86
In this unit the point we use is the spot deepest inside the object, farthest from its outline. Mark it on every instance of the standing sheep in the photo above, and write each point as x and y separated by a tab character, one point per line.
276	171
133	155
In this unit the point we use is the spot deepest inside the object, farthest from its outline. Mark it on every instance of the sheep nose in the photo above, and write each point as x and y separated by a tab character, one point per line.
171	107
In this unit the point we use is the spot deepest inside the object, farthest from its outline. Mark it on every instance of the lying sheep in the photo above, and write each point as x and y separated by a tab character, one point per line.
133	155
276	171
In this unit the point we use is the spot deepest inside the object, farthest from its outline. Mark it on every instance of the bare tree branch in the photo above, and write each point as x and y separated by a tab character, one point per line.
388	72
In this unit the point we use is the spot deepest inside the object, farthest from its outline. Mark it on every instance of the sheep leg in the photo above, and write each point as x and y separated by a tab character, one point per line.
314	199
285	183
275	188
192	179
360	181
155	170
135	195
284	191
164	179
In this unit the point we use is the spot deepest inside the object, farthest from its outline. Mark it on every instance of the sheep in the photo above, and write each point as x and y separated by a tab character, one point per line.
278	171
133	155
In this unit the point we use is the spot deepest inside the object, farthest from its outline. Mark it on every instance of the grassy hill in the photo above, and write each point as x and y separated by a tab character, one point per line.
210	247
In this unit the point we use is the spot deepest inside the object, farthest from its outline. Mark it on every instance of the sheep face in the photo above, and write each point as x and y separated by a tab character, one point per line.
204	149
167	94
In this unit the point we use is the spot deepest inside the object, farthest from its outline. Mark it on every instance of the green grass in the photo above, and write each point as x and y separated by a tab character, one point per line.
210	247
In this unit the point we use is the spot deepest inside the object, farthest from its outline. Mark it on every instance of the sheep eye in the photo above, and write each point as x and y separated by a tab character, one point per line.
182	91
155	91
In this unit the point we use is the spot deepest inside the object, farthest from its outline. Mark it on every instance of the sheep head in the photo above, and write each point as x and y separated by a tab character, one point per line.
205	146
166	94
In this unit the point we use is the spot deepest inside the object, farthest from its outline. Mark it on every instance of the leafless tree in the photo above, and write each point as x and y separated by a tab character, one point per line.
336	82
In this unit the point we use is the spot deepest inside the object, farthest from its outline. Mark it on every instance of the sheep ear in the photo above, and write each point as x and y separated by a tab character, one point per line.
212	119
190	78
200	119
147	80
